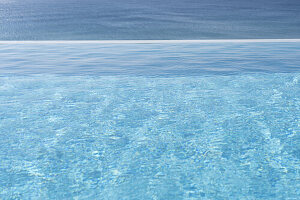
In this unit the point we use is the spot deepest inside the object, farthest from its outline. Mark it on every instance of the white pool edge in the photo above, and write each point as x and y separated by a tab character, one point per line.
146	41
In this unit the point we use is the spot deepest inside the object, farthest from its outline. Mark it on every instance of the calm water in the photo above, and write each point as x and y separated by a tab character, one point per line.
157	59
155	121
148	19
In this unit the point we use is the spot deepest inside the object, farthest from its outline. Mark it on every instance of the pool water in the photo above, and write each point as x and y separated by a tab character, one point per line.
150	121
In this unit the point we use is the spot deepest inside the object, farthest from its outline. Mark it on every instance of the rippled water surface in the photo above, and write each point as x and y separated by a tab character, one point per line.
150	121
148	19
154	59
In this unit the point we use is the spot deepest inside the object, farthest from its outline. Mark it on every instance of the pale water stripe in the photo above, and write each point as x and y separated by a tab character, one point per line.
146	41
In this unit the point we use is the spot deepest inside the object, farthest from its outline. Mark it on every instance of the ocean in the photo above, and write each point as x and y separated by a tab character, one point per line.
148	19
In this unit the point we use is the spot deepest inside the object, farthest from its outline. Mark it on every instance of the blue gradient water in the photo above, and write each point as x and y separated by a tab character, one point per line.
156	59
150	121
148	19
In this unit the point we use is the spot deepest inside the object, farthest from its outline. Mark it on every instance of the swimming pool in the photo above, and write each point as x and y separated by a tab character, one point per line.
150	121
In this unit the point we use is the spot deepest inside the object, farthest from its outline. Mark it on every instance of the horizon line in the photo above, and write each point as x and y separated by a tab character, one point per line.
144	41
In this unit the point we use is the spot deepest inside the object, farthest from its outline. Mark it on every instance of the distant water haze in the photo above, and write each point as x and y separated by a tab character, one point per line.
148	19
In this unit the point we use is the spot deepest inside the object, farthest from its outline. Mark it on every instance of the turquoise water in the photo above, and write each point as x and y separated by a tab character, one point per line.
150	121
148	19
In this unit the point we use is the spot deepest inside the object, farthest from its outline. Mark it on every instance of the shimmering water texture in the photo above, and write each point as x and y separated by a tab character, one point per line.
205	136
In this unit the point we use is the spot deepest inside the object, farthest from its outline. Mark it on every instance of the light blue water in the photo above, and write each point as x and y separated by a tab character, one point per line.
157	59
214	121
148	19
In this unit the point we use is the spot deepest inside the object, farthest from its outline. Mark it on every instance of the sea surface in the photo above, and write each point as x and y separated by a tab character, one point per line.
148	19
150	121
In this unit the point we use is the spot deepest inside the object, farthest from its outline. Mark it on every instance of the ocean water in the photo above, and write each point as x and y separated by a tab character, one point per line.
150	121
148	19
